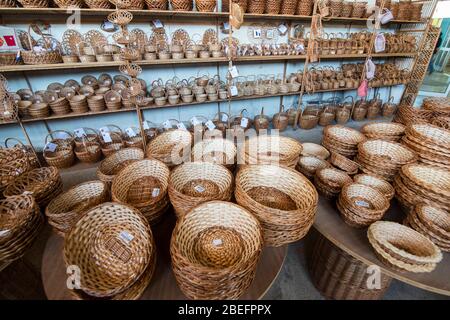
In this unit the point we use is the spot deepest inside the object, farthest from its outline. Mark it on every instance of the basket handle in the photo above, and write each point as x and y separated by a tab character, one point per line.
14	139
50	134
116	127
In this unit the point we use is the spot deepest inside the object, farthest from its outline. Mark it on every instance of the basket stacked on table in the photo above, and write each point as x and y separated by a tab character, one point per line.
215	249
329	181
376	183
308	165
20	222
389	131
67	208
171	147
407	115
431	143
345	164
432	222
420	183
113	246
314	150
383	158
283	200
342	140
219	151
361	205
403	248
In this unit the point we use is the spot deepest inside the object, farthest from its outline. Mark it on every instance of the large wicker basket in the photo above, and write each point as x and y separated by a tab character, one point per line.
47	56
219	151
171	147
215	249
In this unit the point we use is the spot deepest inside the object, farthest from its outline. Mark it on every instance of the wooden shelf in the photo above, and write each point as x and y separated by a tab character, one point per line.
91	113
114	64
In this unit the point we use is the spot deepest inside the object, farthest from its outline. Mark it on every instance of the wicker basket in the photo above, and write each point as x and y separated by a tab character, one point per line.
282	199
34	3
98	4
389	131
143	184
343	163
182	5
47	56
376	183
171	147
44	183
288	7
157	4
205	5
110	166
242	3
7	3
67	208
256	6
336	7
89	152
315	150
215	249
273	6
329	181
69	3
342	140
194	183
62	156
113	245
305	7
9	58
114	144
308	165
403	248
219	151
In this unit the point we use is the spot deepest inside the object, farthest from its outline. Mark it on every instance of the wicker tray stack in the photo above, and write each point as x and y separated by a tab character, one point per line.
113	246
342	140
432	144
282	199
383	158
219	151
407	115
215	249
376	183
389	131
361	205
20	222
329	181
309	165
439	105
345	164
403	248
432	222
314	150
420	183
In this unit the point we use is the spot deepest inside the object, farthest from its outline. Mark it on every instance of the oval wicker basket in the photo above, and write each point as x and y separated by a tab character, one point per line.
343	163
193	183
62	157
143	185
283	200
171	147
342	140
384	130
219	151
374	182
329	181
67	208
113	245
215	249
309	165
315	150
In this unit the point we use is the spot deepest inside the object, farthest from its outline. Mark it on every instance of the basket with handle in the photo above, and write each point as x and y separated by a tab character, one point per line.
88	151
261	121
309	121
45	56
60	156
113	144
133	138
27	150
280	120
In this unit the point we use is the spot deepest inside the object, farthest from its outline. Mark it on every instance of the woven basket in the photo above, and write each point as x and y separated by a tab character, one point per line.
343	163
336	7
194	183
44	184
110	166
273	6
219	151
69	3
19	227
7	3
34	3
389	131
205	5
215	249
308	165
314	150
305	7
116	143
143	184
403	248
113	245
67	208
9	58
288	7
242	3
48	56
89	152
62	157
376	183
342	140
347	8
11	169
359	9
171	147
98	4
182	5
157	4
256	6
282	199
329	181
87	135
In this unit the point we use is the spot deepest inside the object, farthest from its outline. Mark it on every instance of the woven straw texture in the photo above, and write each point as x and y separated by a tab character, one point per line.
374	182
309	165
110	166
315	150
342	140
389	131
219	151
329	181
171	147
343	163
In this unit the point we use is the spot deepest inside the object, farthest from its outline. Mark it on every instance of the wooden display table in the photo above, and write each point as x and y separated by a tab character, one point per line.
354	242
163	285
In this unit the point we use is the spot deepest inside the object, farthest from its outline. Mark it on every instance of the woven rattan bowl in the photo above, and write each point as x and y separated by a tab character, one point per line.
430	181
65	210
143	184
283	200
193	183
110	166
383	130
372	181
214	250
219	151
430	133
329	181
112	244
309	165
315	150
171	147
344	163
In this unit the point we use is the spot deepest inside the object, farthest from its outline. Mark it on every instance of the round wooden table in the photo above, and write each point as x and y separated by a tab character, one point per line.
163	285
354	242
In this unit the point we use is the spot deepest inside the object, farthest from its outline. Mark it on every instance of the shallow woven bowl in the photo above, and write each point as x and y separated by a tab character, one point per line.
386	152
383	129
171	147
436	220
344	135
429	178
344	163
309	165
430	133
219	151
112	244
333	177
214	251
376	183
110	166
363	199
315	150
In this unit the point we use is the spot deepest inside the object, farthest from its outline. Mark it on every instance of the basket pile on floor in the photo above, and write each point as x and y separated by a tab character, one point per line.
283	200
266	149
67	208
361	205
420	183
432	222
43	183
113	246
383	158
193	183
403	248
143	185
377	183
171	147
309	165
13	163
389	131
431	143
314	150
215	249
342	140
329	181
20	222
219	151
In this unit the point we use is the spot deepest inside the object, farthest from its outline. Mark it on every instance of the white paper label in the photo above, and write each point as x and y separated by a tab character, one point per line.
362	203
155	192
224	117
257	33
282	28
269	34
145	125
181	126
167	125
226	26
195	121
51	147
106	137
79	132
199	188
61	135
233	91
104	129
234	72
244	122
130	132
210	125
217	242
125	236
157	23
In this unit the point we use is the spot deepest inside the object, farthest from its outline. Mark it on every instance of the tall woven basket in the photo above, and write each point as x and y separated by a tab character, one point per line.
288	7
256	6
182	5
273	6
242	3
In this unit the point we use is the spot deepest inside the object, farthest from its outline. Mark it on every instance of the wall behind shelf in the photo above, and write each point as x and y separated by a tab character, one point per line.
40	80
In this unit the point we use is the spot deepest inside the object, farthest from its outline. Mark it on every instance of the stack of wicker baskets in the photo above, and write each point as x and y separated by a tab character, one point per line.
419	183
266	149
113	246
20	222
215	249
403	248
314	150
407	115
383	158
342	140
308	165
13	163
171	147
361	205
329	181
219	151
431	143
440	106
67	208
343	163
283	200
432	222
376	183
389	131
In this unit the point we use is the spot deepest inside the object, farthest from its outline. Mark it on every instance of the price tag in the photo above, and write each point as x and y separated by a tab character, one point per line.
224	117
234	72
181	126
199	188
282	28
126	236
244	122
130	132
157	23
51	147
195	121
167	125
18	56
79	132
104	129
106	137
257	33
270	34
217	242
233	91
362	203
61	135
226	26
210	125
145	125
155	192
